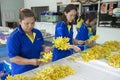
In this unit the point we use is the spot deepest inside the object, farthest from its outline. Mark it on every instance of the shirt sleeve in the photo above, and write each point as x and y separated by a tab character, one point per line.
42	39
13	46
40	35
59	30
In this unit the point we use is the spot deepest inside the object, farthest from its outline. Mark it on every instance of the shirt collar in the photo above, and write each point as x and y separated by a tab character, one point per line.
21	30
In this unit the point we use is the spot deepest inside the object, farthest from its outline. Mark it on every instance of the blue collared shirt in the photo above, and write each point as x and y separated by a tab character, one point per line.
63	31
18	44
82	35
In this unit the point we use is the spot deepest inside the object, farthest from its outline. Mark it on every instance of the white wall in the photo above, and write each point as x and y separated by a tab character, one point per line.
108	34
48	27
10	9
51	3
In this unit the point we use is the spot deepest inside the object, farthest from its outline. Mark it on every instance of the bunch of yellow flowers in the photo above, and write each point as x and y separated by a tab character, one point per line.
114	60
54	72
112	45
96	52
46	57
93	38
61	43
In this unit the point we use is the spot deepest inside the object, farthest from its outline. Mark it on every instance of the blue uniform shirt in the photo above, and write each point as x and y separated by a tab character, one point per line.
62	30
18	44
82	34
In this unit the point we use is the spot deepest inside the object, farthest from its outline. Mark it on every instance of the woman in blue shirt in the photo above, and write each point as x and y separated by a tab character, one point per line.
84	31
64	28
25	43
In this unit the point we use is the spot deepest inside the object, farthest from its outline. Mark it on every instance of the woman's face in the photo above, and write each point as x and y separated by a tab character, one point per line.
70	15
92	23
27	24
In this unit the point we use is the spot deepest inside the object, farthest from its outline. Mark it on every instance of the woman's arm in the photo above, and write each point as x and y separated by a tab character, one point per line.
91	44
75	48
80	42
25	61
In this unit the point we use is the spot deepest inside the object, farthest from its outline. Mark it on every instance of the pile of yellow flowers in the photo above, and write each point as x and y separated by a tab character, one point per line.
96	52
114	60
93	38
61	43
19	77
112	45
54	72
46	57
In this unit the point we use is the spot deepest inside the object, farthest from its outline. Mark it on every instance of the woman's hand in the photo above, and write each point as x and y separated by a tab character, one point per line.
91	44
80	42
35	62
75	48
46	48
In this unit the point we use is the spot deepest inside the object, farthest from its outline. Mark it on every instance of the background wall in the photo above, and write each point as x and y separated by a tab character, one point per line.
51	3
105	33
108	34
9	10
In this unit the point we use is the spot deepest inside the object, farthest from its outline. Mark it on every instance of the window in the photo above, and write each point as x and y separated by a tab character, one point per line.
38	10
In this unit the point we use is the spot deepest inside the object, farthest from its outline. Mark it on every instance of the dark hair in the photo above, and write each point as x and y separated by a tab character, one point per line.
24	13
67	9
91	16
81	17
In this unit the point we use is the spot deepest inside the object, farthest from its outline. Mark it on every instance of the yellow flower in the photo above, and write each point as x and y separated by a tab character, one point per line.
53	72
61	43
46	57
112	45
96	52
93	38
114	60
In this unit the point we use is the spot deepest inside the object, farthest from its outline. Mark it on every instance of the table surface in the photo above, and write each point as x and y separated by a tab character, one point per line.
93	70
